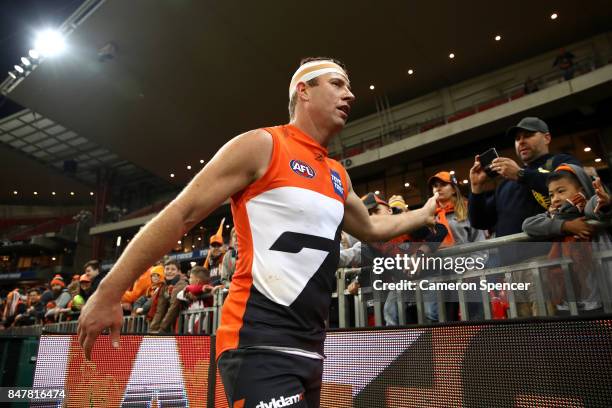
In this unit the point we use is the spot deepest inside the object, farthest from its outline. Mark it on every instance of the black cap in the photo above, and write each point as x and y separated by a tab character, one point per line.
530	124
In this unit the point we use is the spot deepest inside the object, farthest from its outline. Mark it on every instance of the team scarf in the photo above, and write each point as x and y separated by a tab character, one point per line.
441	212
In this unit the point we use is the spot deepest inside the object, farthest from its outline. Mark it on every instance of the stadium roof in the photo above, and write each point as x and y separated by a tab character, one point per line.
187	76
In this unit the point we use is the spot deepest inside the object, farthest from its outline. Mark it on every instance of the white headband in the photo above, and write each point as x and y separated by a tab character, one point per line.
312	70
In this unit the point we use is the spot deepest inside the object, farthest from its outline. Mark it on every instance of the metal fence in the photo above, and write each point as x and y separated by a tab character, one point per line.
368	301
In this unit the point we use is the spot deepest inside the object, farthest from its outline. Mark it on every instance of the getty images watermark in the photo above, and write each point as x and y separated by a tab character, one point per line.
425	265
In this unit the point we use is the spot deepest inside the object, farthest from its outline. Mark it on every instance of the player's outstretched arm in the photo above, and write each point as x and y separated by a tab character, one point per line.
374	228
241	161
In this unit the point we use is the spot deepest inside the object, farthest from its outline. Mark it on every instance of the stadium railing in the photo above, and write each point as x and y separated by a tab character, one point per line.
206	320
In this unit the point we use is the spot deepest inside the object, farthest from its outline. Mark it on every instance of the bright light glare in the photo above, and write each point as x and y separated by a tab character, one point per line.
49	43
34	54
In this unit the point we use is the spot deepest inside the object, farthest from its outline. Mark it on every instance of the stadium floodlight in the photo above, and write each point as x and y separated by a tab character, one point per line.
12	75
26	62
49	43
34	54
19	69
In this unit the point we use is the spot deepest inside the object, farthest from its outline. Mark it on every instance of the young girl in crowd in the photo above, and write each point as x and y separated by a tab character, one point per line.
143	304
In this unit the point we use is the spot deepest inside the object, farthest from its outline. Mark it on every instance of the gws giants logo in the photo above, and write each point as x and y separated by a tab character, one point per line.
281	401
302	169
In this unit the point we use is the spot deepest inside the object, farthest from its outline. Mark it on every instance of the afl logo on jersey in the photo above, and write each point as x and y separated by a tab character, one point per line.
302	169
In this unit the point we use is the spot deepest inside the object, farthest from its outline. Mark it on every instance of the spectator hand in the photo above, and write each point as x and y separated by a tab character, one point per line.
578	228
99	313
429	210
505	167
353	288
139	311
478	177
603	198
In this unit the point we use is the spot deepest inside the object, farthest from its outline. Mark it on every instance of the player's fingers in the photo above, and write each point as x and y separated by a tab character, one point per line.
115	331
88	344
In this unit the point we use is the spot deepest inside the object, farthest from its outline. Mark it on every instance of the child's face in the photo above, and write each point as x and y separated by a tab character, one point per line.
561	190
154	278
194	280
170	271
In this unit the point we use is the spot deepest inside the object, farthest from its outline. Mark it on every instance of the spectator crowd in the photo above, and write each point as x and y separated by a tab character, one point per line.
551	197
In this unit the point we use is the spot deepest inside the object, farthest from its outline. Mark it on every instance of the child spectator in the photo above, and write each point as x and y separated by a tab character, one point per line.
167	306
73	287
197	295
142	305
574	199
84	292
140	287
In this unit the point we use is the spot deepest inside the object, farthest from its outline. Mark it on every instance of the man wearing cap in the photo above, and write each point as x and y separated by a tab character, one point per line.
522	191
60	296
290	202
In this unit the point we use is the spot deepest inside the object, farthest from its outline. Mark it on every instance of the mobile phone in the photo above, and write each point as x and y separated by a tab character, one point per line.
485	161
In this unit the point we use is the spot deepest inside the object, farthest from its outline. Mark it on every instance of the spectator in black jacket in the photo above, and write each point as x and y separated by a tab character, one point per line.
92	269
34	312
521	192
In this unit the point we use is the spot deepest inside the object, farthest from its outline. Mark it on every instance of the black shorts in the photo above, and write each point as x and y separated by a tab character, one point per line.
259	378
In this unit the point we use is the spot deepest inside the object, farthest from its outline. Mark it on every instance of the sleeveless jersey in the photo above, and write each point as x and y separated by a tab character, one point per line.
288	224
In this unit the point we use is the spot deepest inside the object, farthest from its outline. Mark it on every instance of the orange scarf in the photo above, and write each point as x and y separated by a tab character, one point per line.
441	212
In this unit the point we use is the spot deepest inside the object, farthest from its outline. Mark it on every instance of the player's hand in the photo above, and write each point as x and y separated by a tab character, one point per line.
578	228
99	314
505	167
603	198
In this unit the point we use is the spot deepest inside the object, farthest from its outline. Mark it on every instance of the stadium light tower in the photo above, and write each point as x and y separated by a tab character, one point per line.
49	43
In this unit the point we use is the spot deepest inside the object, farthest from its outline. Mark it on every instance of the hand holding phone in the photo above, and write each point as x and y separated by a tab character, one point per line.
486	159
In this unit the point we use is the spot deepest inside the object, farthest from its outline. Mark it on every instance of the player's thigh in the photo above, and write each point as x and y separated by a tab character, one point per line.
261	378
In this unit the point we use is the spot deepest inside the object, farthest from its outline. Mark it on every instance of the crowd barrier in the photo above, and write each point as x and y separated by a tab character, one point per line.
353	309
